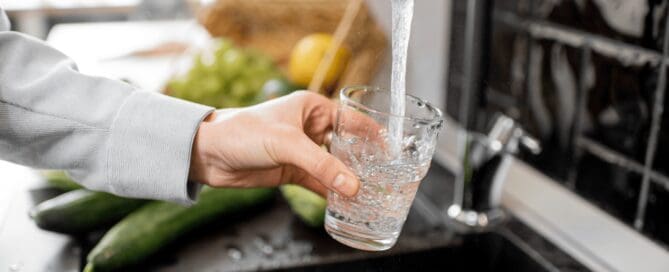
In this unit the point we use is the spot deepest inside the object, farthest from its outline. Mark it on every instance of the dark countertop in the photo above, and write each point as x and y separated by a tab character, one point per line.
265	239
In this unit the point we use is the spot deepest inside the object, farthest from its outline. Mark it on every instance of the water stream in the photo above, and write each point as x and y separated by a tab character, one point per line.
402	15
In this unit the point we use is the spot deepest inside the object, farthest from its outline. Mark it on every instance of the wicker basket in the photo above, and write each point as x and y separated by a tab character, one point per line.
274	26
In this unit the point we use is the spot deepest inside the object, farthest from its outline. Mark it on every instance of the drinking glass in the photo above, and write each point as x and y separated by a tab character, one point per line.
389	167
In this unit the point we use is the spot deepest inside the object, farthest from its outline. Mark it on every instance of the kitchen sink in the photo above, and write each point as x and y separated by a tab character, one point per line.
479	252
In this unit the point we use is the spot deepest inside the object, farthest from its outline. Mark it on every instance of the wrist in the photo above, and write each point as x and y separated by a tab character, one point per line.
200	149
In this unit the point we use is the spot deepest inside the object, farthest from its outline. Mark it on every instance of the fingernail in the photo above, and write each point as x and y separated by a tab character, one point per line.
343	185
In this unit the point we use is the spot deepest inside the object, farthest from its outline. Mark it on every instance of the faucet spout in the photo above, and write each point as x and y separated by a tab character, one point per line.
484	160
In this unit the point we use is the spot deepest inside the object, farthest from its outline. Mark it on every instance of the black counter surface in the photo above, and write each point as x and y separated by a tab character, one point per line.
267	238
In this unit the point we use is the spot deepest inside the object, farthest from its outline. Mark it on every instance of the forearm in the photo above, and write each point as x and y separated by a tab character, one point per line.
107	135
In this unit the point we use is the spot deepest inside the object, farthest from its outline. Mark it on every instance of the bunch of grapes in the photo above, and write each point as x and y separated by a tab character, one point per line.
225	77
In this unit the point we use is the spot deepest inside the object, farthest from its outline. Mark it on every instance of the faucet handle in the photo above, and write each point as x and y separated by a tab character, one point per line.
508	135
532	144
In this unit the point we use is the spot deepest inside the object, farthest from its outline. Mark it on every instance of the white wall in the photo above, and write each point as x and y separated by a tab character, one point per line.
428	50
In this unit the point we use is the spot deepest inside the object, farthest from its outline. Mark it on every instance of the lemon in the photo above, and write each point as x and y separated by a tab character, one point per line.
307	55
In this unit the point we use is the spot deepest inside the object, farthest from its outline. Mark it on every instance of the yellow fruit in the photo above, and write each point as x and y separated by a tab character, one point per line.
307	55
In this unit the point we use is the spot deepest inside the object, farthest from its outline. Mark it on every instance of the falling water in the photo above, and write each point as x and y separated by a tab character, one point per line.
402	15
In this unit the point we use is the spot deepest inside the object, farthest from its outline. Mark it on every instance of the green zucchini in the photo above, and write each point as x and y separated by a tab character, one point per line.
155	225
307	205
81	211
58	179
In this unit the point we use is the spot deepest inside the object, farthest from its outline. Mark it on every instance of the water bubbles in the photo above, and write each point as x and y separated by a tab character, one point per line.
234	253
385	196
388	183
385	224
409	144
409	140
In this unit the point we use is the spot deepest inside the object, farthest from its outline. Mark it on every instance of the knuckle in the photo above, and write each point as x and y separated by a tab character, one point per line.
311	100
304	95
295	177
301	93
323	164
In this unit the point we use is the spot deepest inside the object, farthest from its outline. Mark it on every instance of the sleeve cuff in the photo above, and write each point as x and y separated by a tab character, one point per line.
150	147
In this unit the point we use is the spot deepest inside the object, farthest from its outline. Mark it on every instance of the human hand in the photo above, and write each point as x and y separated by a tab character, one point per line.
270	144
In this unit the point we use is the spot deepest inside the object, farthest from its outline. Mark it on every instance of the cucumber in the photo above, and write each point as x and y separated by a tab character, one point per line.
81	211
307	205
155	225
58	179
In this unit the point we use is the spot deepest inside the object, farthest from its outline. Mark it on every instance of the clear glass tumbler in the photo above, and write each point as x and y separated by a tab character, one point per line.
390	176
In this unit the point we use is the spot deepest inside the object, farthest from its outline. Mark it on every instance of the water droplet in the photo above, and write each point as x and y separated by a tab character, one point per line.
234	253
262	242
267	249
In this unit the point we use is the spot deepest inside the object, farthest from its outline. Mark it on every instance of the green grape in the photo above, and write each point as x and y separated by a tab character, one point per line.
234	79
234	60
222	45
238	89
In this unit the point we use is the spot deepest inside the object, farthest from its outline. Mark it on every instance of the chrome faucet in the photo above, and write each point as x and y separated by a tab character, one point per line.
484	160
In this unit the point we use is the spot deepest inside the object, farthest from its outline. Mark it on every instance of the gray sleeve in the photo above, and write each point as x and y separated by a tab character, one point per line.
106	134
4	21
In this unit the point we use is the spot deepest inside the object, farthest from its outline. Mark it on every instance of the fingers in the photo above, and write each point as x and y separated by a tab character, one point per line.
318	114
312	101
360	124
318	163
356	124
309	182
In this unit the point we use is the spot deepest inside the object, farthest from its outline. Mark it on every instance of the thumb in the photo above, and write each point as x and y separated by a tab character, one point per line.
318	163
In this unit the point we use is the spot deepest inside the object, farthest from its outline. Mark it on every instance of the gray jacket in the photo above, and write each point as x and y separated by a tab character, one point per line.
104	133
